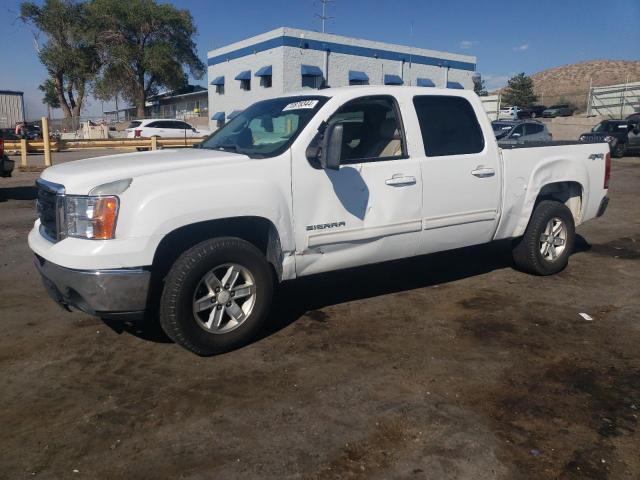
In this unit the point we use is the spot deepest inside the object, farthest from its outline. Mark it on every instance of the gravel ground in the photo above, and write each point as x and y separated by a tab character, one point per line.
449	366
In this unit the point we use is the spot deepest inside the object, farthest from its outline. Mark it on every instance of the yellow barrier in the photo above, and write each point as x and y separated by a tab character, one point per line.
46	147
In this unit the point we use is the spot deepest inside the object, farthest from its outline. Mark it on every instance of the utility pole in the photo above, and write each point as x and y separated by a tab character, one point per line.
323	18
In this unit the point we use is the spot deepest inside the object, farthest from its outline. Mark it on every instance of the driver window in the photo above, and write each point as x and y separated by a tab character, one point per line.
371	130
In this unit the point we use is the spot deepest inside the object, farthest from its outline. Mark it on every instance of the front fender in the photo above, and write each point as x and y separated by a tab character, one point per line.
156	205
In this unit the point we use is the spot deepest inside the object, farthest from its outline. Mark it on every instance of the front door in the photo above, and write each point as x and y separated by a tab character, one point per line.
461	174
369	210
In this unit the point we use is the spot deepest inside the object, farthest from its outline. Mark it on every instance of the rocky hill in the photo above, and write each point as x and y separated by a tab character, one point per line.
571	82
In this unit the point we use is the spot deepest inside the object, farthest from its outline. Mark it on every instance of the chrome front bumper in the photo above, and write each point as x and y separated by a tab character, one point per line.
97	292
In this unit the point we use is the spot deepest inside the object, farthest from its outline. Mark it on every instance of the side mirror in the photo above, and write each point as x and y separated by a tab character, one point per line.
194	130
331	147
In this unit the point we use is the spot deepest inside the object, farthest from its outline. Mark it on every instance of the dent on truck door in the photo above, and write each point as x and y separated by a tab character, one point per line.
461	174
369	210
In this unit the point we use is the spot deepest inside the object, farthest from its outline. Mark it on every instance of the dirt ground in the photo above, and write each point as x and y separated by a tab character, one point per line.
449	366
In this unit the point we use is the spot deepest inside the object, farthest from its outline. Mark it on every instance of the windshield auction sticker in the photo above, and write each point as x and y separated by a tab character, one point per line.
301	105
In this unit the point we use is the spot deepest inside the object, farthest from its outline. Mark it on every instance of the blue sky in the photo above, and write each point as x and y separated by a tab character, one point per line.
507	37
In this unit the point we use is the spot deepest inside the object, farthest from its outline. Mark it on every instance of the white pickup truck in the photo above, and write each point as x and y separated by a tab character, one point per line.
299	185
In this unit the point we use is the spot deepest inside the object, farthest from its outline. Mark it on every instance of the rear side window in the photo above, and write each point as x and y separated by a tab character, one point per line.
449	126
532	129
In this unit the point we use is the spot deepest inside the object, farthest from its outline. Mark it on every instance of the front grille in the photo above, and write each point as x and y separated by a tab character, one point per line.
49	196
592	138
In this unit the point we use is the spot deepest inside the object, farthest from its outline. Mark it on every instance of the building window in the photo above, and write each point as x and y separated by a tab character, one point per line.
220	89
265	81
311	81
245	85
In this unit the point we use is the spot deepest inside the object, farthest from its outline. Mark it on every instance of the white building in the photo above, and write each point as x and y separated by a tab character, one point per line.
287	60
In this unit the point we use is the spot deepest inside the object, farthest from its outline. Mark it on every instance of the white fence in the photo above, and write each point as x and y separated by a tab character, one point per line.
491	104
614	101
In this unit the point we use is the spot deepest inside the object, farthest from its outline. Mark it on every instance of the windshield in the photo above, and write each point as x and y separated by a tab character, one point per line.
266	128
134	124
610	127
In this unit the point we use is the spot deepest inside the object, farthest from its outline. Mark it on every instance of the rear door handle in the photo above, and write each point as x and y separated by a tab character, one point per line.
483	172
398	180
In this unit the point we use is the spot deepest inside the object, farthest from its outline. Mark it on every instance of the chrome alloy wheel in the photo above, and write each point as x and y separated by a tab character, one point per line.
224	298
553	240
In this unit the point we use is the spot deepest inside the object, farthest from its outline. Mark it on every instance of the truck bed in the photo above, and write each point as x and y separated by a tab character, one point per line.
530	167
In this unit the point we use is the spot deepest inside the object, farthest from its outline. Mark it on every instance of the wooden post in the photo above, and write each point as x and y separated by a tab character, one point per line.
47	145
154	143
23	152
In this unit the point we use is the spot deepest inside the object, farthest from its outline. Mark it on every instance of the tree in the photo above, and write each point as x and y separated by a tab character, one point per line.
144	46
519	91
479	86
68	53
50	98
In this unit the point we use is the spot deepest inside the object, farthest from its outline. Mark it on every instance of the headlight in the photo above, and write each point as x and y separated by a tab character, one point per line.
90	217
583	138
609	139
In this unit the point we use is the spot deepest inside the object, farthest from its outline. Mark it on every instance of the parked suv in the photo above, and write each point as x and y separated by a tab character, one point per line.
621	135
156	127
509	132
532	112
561	110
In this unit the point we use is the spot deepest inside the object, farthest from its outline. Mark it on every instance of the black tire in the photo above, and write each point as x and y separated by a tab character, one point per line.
177	316
526	251
619	150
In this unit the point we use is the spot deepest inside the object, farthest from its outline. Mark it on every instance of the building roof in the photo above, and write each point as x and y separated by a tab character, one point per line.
306	39
11	92
182	92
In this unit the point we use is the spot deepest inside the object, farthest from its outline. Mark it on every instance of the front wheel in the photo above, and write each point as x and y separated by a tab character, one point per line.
216	296
545	247
619	150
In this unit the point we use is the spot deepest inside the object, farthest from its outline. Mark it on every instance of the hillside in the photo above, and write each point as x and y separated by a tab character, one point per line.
571	82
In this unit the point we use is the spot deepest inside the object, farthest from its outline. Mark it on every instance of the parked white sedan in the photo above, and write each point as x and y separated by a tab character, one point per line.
164	128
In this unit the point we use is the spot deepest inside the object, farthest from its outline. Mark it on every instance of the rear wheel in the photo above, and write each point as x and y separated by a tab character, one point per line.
545	247
216	296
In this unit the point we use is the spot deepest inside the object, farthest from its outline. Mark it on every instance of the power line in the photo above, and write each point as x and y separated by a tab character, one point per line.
324	17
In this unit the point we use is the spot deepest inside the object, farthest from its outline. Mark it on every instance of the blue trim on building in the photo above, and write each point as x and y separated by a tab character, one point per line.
219	116
286	41
218	81
456	85
392	79
245	75
310	71
356	76
264	71
425	82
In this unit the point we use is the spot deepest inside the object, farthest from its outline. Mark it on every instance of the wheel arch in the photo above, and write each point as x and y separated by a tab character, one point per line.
258	231
569	192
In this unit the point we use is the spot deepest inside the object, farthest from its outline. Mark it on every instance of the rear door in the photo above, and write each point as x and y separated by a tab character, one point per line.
367	211
153	129
461	174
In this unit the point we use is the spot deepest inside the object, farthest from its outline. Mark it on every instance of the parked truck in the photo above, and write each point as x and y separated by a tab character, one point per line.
295	186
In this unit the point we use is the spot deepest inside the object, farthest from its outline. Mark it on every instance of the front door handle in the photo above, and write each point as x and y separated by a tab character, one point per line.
398	180
483	172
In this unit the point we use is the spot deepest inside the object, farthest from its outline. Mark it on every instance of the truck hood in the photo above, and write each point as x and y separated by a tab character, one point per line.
80	176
